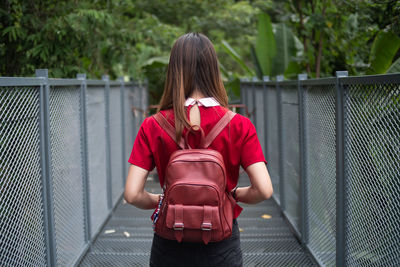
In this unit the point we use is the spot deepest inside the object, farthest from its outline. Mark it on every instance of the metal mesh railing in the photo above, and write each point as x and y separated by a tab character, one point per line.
320	167
62	152
96	155
248	99
272	137
22	231
333	152
332	146
258	94
115	144
289	116
66	172
130	119
372	171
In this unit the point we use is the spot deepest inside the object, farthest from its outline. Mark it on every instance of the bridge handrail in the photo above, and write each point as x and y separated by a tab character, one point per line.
333	152
63	163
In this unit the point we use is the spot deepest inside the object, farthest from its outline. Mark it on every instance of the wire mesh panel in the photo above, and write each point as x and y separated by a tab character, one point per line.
136	106
141	100
249	101
291	155
320	153
66	168
130	120
372	164
22	241
259	115
145	96
272	153
244	88
116	144
97	165
23	237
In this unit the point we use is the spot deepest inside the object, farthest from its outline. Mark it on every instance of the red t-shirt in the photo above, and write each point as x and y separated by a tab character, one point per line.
238	143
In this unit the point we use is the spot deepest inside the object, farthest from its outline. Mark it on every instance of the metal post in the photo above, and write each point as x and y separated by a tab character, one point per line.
254	111
85	166
136	105
340	176
132	92
122	93
45	162
303	161
243	94
146	94
106	80
279	79
140	102
265	116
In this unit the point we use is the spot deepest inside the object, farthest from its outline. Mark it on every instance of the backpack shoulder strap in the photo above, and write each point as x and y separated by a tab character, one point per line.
163	122
215	131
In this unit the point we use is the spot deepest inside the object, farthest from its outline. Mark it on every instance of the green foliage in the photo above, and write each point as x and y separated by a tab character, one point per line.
285	49
338	35
265	44
119	38
256	63
232	83
133	37
395	67
292	70
274	50
384	48
228	49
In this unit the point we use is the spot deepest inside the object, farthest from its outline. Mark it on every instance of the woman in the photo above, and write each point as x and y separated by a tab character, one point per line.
195	95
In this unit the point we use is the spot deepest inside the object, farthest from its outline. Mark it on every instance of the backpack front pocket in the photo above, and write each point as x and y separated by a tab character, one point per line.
193	217
190	223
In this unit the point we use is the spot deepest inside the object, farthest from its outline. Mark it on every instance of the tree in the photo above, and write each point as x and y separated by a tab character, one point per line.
338	35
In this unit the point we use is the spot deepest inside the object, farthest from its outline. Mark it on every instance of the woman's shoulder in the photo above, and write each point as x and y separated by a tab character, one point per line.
242	121
241	124
150	123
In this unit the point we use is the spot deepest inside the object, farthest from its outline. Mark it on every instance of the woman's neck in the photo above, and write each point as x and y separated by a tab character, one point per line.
197	95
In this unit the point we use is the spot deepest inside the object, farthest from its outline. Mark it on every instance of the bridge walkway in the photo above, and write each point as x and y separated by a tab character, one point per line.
266	238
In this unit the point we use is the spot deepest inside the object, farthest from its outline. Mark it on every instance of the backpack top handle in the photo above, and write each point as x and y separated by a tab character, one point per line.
191	130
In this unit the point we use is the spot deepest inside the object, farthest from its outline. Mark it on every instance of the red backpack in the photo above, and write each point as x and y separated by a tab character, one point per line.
195	206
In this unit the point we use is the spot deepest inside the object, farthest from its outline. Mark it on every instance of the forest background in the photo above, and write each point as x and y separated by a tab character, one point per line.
133	38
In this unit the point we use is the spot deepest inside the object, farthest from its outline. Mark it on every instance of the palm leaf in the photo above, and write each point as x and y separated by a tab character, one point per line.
395	68
383	50
230	51
256	62
265	44
285	49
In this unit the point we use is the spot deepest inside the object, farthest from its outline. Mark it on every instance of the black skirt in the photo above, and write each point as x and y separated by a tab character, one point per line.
165	252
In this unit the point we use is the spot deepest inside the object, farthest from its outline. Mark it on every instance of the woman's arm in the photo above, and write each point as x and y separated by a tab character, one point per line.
260	188
134	189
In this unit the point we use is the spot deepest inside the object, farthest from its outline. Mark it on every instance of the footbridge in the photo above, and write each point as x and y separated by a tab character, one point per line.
333	152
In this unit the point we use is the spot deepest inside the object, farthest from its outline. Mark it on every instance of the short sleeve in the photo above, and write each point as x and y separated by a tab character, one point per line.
141	154
251	151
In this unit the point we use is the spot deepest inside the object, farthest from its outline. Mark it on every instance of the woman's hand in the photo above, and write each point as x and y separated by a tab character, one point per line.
134	189
260	188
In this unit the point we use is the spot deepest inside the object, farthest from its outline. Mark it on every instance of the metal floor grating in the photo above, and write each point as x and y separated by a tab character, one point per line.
266	241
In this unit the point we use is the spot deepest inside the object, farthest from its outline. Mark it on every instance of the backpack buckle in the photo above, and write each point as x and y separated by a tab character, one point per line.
178	226
206	226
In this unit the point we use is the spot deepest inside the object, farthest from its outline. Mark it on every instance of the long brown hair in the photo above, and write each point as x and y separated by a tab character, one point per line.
193	65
